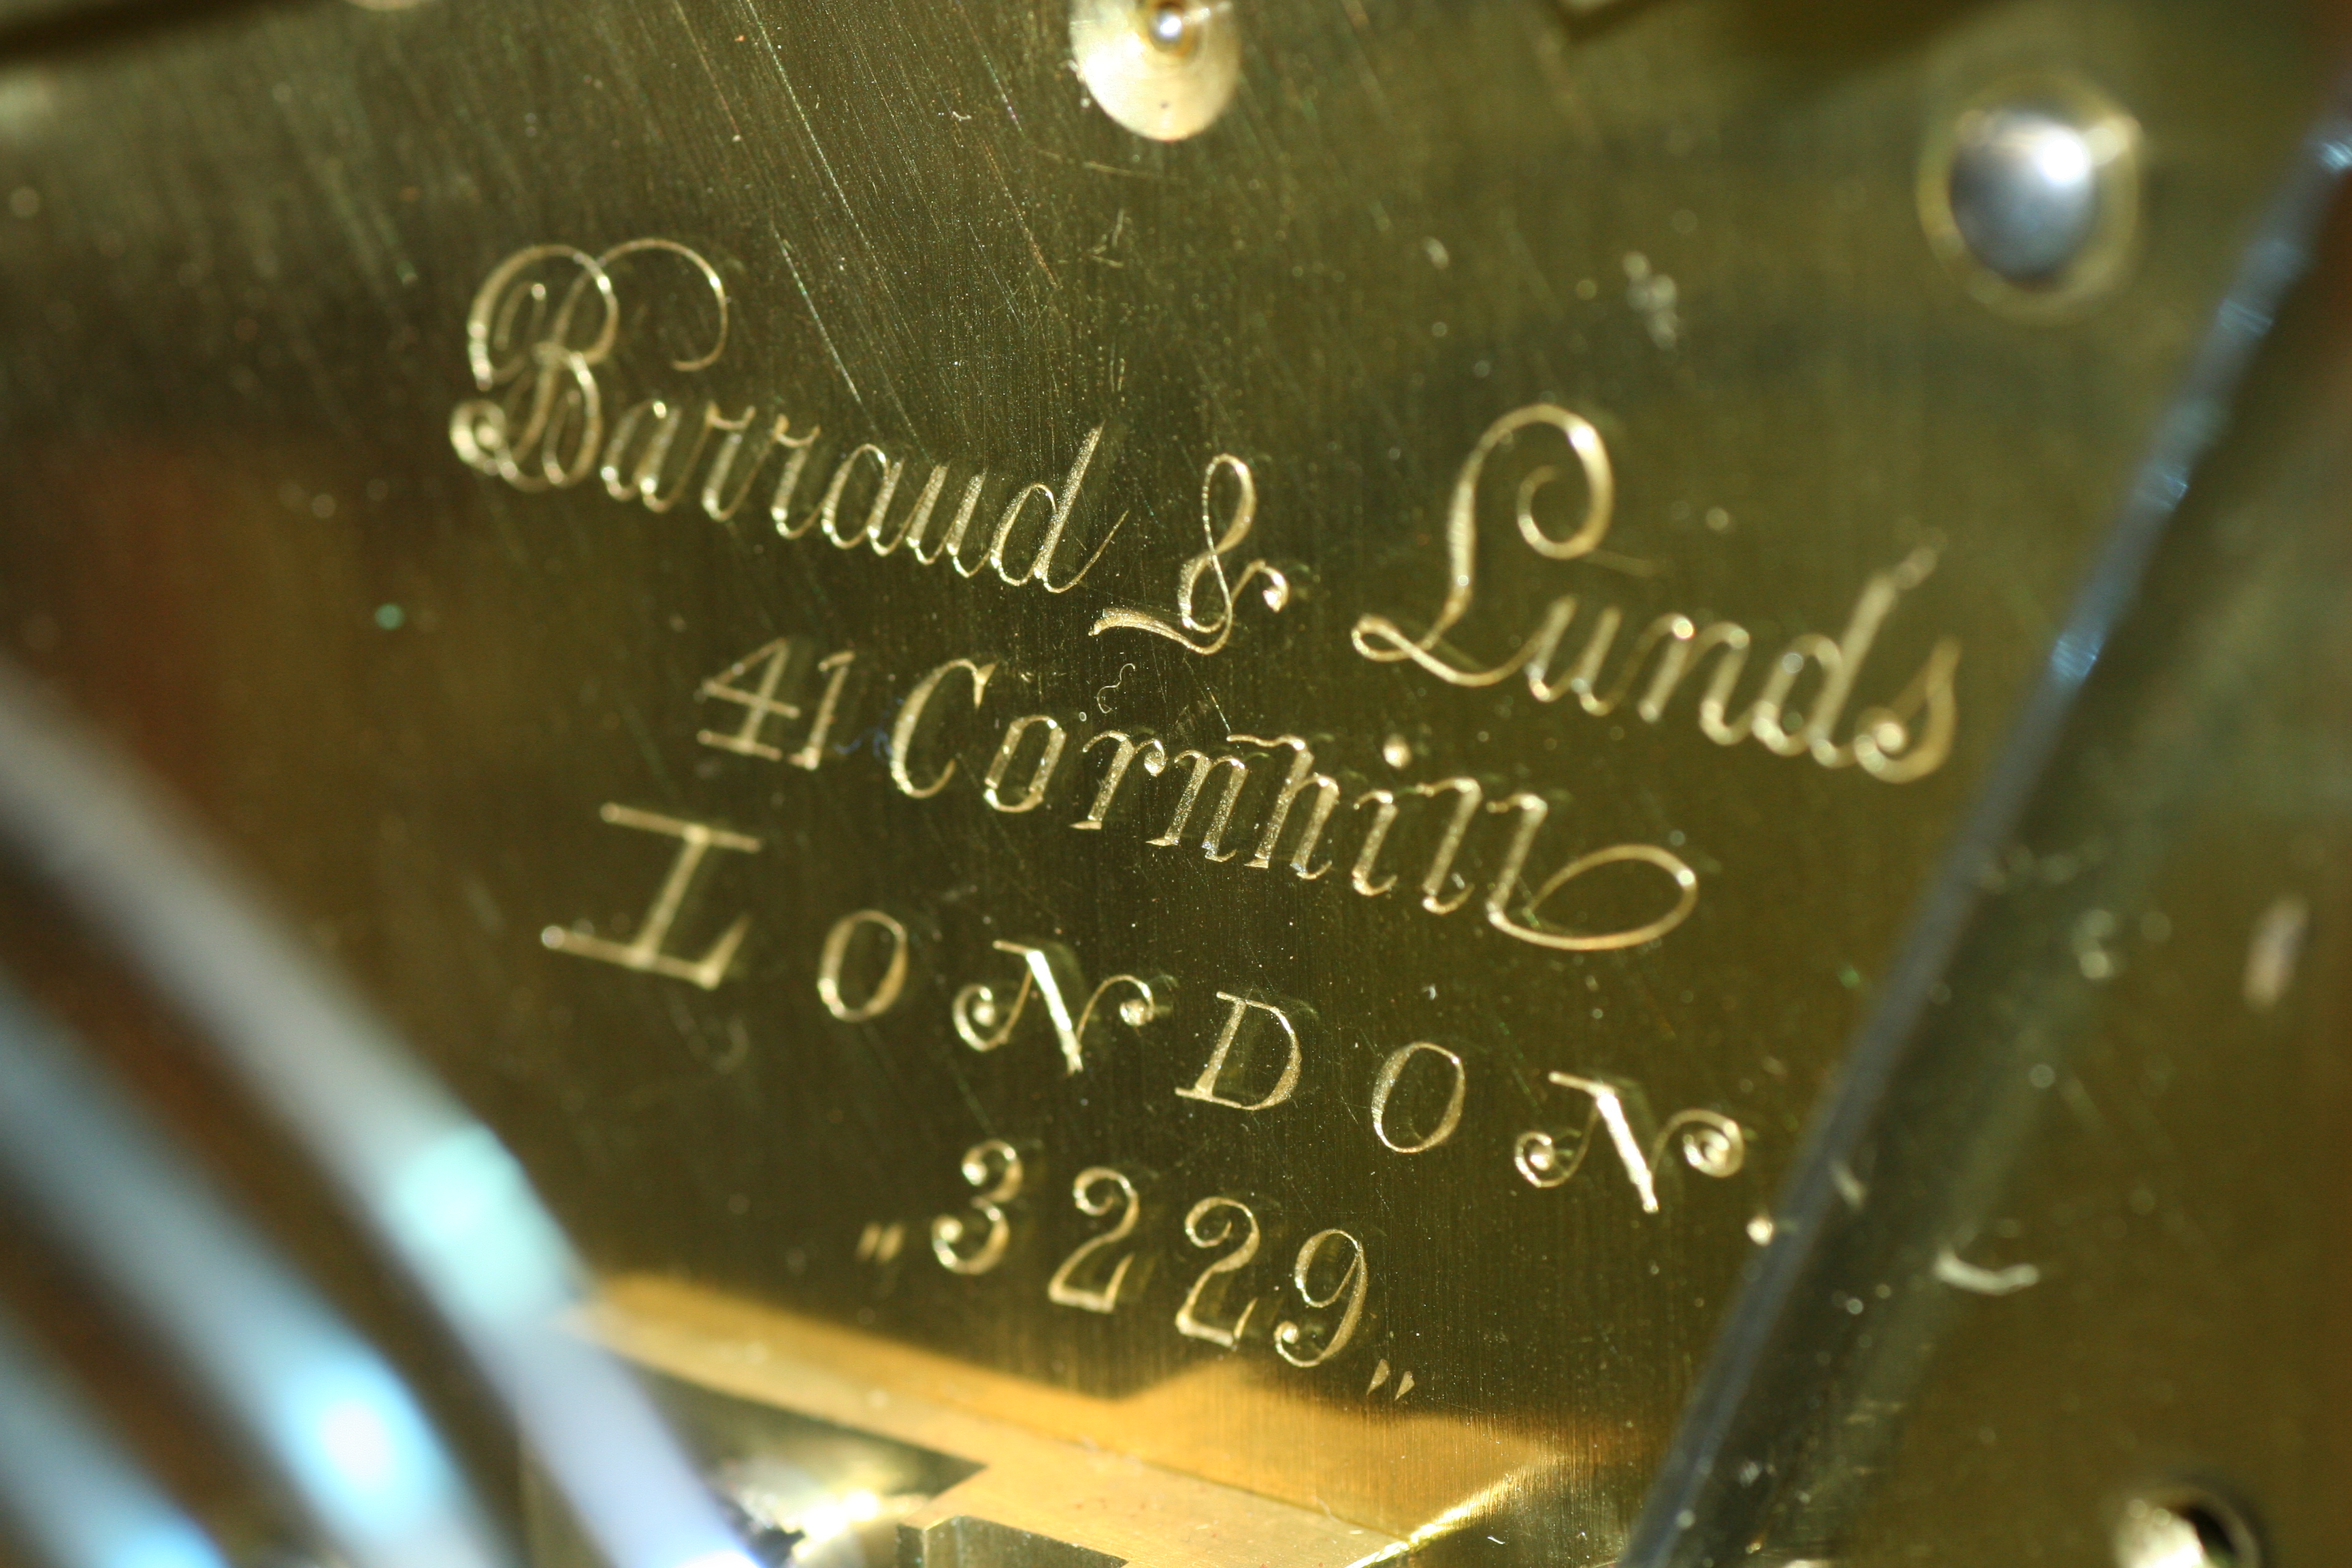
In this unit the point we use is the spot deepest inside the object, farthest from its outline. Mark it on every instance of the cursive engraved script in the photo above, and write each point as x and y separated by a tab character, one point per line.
1904	739
1229	802
1196	629
540	339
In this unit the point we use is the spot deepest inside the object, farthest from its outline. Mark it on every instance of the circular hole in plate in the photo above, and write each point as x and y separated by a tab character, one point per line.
2184	1527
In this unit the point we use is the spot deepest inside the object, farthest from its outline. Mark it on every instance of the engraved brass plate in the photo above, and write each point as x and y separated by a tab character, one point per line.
1215	795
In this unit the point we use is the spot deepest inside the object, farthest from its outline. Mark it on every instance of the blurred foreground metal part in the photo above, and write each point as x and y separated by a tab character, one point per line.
439	1194
311	1400
66	1487
1204	778
442	1198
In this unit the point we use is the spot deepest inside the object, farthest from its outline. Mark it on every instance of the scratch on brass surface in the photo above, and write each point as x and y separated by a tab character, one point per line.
686	24
816	319
2273	950
1962	1274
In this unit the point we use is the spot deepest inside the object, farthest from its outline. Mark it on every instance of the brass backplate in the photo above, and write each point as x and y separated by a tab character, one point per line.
1212	795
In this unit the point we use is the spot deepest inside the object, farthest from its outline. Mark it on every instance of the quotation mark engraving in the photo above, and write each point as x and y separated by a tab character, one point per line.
1380	1376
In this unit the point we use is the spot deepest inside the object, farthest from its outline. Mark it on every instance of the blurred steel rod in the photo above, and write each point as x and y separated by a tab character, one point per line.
314	1400
437	1191
68	1490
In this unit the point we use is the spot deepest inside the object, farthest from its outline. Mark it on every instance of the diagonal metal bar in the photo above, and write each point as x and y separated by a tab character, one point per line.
1706	1507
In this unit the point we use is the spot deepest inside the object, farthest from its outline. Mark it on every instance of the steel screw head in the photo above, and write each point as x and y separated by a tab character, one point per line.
2024	192
2030	195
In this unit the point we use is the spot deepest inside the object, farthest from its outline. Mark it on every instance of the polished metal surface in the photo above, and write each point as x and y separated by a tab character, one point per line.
1155	756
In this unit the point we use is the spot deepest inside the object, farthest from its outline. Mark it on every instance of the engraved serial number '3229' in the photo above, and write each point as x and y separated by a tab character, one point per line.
1093	1276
